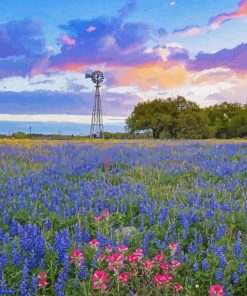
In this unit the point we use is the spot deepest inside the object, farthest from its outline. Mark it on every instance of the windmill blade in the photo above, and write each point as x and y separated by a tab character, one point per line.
88	75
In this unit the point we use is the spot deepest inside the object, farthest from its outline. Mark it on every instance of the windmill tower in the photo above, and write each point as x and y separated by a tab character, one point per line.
96	130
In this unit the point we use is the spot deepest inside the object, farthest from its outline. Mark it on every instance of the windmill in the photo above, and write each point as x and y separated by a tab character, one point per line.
96	130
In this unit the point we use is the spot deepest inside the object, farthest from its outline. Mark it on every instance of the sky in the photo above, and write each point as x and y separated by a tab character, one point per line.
146	49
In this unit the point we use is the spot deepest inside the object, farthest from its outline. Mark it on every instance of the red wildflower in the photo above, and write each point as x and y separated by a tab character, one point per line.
167	278
122	248
42	275
148	264
178	287
139	253
97	217
106	161
93	244
158	280
42	283
77	257
133	259
106	213
164	266
133	272
108	249
175	263
158	258
216	290
173	247
115	261
100	279
123	278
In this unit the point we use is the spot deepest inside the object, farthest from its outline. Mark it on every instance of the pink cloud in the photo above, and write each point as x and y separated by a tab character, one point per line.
189	30
67	40
240	12
192	31
91	29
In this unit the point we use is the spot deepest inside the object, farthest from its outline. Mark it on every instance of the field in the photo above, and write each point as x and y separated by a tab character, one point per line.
123	218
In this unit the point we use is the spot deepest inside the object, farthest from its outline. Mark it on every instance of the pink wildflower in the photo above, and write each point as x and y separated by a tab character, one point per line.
42	275
164	266
108	249
133	272
101	257
42	283
100	279
158	280
115	261
148	264
97	217
94	244
175	263
139	253
178	287
158	258
123	278
133	259
167	278
77	257
216	290
173	247
106	213
122	248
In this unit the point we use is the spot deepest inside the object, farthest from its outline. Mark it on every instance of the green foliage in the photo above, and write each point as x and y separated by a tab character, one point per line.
19	135
183	119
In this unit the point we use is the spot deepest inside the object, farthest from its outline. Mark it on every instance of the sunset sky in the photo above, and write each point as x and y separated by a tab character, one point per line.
146	49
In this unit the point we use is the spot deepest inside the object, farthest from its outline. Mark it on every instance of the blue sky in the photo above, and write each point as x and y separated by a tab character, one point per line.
146	49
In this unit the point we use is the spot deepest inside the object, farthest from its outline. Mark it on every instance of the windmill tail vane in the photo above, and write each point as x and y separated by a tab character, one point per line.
97	128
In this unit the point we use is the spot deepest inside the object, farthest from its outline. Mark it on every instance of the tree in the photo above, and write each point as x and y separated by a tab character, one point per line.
161	116
149	115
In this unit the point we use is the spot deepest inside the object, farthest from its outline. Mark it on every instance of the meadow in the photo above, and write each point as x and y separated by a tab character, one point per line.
123	218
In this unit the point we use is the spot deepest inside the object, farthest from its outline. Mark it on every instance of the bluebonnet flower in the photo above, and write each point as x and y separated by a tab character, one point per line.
237	249
85	236
219	275
147	238
47	223
83	272
23	288
221	230
193	247
222	260
78	234
205	265
195	267
61	244
241	268
33	286
234	278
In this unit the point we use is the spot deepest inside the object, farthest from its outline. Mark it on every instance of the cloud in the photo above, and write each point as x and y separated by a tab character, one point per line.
127	9
63	102
81	119
241	11
113	43
65	39
234	94
214	22
235	59
91	29
190	30
22	48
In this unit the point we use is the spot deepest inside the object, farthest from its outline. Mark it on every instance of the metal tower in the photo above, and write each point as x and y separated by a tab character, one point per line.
97	130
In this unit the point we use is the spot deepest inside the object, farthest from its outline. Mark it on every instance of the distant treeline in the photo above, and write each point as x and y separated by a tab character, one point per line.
182	119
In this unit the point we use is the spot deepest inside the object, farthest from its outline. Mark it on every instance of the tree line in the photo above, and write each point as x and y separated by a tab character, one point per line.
180	118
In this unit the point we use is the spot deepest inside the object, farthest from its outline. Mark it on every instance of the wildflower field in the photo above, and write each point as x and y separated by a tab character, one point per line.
127	218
